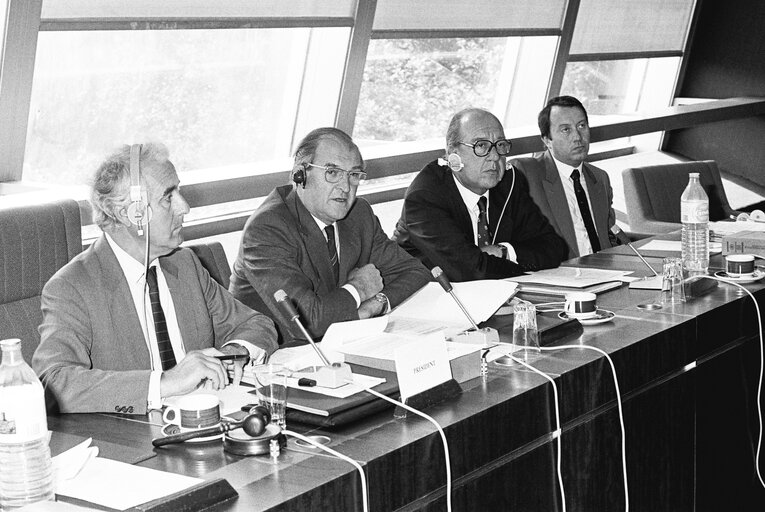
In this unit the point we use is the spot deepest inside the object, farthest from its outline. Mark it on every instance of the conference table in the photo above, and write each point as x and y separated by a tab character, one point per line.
688	379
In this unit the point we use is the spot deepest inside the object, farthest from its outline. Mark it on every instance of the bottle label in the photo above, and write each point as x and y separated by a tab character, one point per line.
22	414
694	212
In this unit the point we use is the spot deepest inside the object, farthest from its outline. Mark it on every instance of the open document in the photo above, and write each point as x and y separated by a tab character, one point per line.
571	277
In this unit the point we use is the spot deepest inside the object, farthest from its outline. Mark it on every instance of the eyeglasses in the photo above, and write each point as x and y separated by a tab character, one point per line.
335	174
482	147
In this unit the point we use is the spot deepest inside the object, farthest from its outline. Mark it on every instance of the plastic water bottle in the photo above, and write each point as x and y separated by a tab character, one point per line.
26	474
694	214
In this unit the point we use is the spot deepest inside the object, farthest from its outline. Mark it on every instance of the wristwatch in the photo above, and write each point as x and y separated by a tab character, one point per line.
382	299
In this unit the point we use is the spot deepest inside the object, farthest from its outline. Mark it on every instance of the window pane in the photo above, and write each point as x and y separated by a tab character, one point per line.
411	87
461	15
622	86
215	98
605	26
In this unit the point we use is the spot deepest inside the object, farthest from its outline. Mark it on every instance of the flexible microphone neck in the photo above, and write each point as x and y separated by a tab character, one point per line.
288	310
624	239
439	276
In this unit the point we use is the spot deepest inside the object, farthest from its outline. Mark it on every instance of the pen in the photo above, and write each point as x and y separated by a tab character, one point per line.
233	357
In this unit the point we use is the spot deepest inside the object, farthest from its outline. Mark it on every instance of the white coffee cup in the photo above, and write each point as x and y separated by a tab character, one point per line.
740	265
193	412
580	305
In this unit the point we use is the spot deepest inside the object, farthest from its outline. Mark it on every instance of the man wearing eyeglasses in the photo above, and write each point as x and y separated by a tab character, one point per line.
471	216
324	247
575	196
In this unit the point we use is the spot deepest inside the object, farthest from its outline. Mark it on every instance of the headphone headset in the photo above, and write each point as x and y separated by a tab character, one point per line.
299	174
138	211
454	162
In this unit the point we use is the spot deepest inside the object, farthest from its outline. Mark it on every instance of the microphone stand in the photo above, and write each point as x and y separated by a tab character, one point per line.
330	375
486	337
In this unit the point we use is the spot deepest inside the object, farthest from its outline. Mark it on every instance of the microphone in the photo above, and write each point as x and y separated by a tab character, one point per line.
624	239
486	337
254	424
328	376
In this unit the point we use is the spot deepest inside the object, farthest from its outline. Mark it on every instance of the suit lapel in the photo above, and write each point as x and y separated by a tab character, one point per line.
313	238
123	316
598	201
561	215
350	246
457	204
184	309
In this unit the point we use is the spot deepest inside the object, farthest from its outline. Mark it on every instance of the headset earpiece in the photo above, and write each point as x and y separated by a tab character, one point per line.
138	211
299	174
454	162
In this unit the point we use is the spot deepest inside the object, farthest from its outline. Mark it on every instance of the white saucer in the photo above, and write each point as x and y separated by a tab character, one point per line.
756	276
171	429
601	316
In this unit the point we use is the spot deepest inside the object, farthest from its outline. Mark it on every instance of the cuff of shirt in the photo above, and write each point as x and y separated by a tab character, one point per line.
511	254
257	354
154	400
352	290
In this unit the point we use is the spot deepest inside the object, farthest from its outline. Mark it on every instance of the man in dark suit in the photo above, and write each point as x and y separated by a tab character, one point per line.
575	196
323	246
116	338
470	215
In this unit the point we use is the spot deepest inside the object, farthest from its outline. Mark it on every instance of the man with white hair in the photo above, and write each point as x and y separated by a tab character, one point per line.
134	319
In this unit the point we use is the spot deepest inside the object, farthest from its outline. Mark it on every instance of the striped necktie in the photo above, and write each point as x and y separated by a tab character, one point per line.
332	249
166	355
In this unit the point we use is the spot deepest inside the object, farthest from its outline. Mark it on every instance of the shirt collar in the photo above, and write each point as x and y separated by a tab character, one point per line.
469	197
133	270
565	170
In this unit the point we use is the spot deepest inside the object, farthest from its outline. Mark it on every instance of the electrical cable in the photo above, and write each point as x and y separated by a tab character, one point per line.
619	406
557	433
362	476
499	220
440	431
759	382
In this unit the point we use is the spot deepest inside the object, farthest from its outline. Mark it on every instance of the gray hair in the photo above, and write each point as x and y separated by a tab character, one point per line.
306	148
454	131
110	190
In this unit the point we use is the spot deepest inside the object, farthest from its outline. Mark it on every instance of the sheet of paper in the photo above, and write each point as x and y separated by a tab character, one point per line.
117	485
674	246
304	356
359	383
652	283
340	333
728	228
480	298
571	277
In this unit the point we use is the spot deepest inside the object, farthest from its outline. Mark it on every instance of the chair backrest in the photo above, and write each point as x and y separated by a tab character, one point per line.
652	194
214	260
35	241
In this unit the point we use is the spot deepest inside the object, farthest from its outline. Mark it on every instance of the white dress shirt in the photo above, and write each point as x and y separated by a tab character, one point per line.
582	238
470	199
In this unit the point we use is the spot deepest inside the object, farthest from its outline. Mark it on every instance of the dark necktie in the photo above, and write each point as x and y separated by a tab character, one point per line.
332	248
166	355
483	224
584	209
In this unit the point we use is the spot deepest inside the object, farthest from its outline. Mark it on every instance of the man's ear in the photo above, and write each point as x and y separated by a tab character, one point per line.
546	141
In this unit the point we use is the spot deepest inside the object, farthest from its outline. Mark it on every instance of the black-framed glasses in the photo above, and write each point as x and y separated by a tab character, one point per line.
334	174
482	147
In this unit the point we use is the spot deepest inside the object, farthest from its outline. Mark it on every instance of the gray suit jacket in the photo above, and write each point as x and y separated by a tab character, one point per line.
547	191
93	355
283	247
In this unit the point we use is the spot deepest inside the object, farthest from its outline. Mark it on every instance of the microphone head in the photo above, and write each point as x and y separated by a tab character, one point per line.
280	295
442	279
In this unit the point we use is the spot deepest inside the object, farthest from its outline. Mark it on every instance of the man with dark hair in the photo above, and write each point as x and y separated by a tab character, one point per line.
120	336
575	196
322	245
471	216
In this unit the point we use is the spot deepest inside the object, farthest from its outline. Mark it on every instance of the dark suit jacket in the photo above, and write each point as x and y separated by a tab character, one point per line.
283	247
547	191
435	226
93	355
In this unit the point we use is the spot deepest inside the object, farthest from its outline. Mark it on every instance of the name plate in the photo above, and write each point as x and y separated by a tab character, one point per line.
422	365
